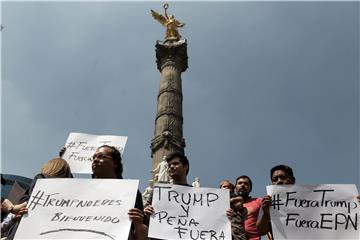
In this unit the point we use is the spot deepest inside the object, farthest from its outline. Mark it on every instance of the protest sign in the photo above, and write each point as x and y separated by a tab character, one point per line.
64	208
314	211
183	212
80	148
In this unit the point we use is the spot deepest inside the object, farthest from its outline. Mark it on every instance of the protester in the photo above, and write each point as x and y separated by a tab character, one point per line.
15	212
178	167
10	213
54	168
226	184
237	219
279	175
236	215
251	206
107	164
8	207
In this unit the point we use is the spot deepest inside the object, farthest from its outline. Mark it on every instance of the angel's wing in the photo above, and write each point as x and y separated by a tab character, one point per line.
179	24
160	18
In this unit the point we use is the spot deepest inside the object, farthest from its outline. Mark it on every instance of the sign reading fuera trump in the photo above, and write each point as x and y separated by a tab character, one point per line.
64	208
183	212
80	148
314	211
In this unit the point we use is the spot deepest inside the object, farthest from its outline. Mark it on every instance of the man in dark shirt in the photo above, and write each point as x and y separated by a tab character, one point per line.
107	164
280	174
178	169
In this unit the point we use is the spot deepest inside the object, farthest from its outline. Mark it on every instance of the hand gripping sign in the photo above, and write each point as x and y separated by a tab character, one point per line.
64	208
183	212
328	211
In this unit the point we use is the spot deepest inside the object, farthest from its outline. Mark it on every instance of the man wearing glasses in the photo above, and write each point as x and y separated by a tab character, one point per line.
107	164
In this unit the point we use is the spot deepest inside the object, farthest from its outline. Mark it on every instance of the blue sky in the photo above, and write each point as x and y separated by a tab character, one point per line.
268	83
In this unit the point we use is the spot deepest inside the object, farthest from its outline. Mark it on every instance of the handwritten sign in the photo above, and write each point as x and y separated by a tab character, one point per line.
183	212
63	208
80	148
314	211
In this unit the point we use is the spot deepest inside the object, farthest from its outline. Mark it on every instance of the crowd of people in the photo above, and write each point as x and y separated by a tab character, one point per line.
250	217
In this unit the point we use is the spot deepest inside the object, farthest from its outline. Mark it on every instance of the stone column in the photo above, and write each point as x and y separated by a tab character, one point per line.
171	59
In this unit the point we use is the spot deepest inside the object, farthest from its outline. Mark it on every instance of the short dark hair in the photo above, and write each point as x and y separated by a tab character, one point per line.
288	170
183	159
116	157
244	176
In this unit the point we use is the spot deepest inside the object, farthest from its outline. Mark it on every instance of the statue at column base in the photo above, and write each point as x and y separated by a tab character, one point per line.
196	183
162	175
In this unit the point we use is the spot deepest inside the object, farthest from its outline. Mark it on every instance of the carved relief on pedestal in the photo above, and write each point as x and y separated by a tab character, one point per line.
168	141
172	54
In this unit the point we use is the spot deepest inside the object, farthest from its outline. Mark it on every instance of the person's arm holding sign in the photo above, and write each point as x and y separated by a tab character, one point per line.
262	224
62	151
230	213
18	213
19	210
107	164
149	210
226	184
137	218
15	214
9	207
279	175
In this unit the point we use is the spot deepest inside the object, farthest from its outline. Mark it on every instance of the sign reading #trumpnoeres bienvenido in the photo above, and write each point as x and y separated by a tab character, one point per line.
80	148
328	211
183	212
79	209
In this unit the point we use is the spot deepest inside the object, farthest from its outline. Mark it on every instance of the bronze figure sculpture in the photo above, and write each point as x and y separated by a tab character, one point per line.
171	24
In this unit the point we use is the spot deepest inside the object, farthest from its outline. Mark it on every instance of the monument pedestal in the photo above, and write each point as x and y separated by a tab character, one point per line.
172	60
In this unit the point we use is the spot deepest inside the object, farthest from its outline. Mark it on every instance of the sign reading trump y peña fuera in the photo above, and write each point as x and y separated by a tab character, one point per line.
80	148
183	212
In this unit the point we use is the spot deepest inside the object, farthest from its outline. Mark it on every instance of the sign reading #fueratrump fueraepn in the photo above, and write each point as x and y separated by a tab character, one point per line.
66	208
189	213
80	148
327	211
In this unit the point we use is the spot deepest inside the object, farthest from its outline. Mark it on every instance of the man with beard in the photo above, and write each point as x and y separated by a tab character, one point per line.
251	206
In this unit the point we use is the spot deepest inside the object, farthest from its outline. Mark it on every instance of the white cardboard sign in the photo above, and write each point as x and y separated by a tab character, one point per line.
65	208
80	148
183	212
328	211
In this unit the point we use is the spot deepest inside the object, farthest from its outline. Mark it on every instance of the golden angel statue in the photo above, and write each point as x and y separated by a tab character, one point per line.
170	23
